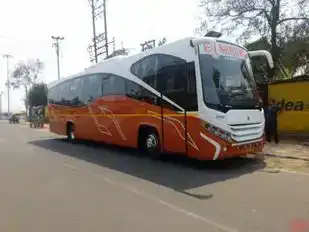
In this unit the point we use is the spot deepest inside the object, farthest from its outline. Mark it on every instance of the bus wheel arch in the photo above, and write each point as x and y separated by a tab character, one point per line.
149	139
70	131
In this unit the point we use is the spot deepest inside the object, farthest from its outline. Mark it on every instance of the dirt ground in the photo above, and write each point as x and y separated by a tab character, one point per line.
287	164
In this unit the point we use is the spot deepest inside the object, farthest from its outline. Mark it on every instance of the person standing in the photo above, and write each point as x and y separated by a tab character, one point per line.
271	118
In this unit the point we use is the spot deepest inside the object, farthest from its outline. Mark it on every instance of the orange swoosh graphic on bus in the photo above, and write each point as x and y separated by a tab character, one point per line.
104	109
173	122
98	124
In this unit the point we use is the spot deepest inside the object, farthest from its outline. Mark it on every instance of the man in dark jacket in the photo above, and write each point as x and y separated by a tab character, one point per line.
271	121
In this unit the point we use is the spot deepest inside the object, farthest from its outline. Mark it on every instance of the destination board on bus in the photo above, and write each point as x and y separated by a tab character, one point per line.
222	49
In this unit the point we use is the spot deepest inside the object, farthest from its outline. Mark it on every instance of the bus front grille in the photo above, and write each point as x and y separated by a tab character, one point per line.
246	132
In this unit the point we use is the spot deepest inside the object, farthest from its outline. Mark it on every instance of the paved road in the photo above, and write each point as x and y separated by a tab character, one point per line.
48	184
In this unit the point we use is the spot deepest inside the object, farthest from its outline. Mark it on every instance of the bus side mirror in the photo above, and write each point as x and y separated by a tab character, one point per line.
264	53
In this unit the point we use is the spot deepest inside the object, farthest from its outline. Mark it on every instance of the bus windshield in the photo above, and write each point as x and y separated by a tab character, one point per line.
227	81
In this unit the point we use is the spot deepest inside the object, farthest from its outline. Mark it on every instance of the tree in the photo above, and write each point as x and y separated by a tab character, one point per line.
259	64
295	54
276	20
37	95
25	75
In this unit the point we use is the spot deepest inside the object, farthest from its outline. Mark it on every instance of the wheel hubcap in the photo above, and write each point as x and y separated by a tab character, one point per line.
151	142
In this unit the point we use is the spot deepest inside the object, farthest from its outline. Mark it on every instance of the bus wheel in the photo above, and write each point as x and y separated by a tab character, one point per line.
70	131
149	141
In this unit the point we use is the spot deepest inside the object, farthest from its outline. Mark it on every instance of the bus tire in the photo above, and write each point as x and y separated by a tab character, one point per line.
149	141
70	132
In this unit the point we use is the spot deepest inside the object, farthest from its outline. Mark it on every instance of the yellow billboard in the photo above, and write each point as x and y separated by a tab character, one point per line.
293	99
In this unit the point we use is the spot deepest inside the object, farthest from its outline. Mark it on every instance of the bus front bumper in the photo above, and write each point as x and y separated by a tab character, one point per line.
237	150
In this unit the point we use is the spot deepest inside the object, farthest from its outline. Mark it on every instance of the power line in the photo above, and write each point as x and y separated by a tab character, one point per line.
56	45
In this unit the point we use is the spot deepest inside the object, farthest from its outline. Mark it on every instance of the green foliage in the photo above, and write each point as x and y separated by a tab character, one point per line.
37	95
294	55
278	21
26	73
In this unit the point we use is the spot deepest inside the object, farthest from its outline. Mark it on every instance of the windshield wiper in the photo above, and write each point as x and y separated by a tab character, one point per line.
238	95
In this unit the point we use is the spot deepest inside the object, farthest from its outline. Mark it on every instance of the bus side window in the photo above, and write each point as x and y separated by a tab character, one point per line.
145	69
51	95
138	92
171	86
92	88
63	93
75	93
56	94
133	90
113	85
178	83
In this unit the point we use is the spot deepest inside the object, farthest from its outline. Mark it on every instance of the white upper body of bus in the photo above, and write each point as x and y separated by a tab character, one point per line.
226	92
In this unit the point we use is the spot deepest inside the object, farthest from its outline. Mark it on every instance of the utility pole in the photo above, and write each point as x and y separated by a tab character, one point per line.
1	93
105	27
94	31
7	56
56	45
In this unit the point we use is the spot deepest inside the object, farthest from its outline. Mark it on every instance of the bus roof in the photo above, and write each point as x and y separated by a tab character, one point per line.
173	48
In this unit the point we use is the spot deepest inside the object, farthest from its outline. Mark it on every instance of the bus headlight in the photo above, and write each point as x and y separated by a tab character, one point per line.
227	136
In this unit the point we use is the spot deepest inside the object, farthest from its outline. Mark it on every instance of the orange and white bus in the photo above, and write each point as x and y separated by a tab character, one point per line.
195	96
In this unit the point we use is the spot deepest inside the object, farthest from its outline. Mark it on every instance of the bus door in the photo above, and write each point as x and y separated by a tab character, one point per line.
173	88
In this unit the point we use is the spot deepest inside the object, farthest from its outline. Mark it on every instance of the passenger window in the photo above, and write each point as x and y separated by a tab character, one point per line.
146	69
172	83
138	92
113	85
55	95
92	88
178	83
133	90
51	95
63	94
172	76
166	60
75	93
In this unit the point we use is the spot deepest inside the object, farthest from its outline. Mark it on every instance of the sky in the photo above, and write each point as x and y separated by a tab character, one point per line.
26	27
